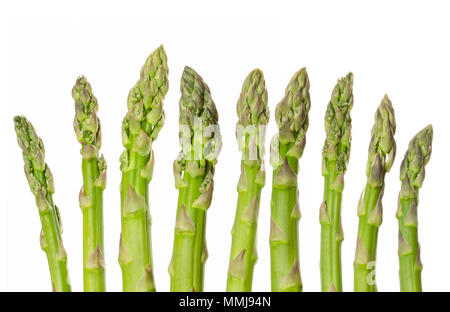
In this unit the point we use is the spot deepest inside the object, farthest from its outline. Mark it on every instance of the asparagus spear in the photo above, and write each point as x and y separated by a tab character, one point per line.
382	150
87	129
336	152
286	149
140	128
412	174
253	114
193	171
41	184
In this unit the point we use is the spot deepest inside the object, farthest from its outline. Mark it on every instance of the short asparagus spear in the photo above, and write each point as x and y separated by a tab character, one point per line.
382	150
336	152
87	129
412	174
193	171
286	149
253	114
41	184
140	128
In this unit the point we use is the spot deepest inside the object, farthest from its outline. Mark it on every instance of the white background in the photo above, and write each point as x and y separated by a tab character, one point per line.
401	49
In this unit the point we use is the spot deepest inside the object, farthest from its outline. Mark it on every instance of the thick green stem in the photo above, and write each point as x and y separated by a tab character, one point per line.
409	253
369	222
285	213
57	260
199	248
186	268
93	261
135	253
331	233
243	249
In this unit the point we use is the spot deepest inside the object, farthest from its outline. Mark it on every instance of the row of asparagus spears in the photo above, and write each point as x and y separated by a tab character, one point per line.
193	170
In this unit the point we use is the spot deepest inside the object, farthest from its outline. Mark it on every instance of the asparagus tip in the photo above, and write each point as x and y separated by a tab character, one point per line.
252	108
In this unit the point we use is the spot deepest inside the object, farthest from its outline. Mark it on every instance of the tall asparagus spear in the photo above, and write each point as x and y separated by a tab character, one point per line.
253	114
140	128
41	184
382	150
193	171
336	152
87	129
286	149
412	174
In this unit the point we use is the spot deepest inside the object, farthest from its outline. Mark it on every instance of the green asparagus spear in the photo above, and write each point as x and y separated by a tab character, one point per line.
87	129
286	149
382	150
193	171
412	174
336	152
140	128
253	114
41	184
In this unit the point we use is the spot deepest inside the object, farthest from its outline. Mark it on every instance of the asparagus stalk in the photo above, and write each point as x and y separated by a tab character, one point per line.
382	149
87	129
193	171
336	152
41	184
140	128
412	174
253	114
287	147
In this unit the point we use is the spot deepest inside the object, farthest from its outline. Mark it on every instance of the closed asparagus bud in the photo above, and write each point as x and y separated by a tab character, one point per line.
253	114
41	184
145	99
33	153
416	157
291	115
382	142
198	109
198	113
252	106
86	123
412	174
338	122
